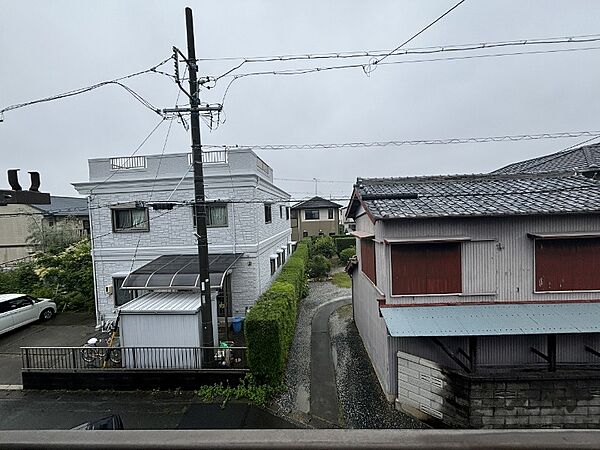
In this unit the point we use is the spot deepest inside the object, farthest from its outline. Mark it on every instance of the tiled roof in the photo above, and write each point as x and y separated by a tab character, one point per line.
316	202
479	195
579	159
65	206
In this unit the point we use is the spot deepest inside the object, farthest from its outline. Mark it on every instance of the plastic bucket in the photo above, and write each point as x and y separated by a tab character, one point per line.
236	324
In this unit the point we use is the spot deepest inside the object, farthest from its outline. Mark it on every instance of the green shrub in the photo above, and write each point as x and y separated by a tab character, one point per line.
319	267
346	254
344	242
324	245
271	323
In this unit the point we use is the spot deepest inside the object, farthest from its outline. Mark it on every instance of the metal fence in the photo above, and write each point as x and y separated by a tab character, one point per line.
133	358
210	157
128	162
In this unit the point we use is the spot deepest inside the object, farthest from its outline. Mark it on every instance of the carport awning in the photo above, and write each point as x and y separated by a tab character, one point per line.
180	272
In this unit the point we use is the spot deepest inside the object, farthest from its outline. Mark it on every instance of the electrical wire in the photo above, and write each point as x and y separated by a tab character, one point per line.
116	81
399	143
373	64
575	39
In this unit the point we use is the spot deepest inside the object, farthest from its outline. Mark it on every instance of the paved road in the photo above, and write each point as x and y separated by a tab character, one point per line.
60	410
66	329
323	389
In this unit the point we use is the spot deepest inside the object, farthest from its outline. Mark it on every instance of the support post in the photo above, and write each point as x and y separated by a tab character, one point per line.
473	353
551	338
200	201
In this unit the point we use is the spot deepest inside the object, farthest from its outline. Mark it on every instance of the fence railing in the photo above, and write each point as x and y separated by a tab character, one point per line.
134	358
128	162
210	157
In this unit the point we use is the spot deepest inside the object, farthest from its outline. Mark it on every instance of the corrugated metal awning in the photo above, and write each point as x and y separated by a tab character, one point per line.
492	320
361	234
163	303
426	239
573	234
179	272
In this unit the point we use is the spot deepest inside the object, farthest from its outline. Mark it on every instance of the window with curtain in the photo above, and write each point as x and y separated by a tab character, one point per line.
130	220
216	215
311	214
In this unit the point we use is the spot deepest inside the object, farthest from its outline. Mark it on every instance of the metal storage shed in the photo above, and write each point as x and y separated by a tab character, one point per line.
164	329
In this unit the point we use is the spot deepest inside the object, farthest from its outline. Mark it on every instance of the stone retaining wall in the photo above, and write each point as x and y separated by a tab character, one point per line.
434	394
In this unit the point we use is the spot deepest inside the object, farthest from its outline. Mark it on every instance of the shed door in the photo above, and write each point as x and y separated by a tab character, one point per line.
426	268
567	264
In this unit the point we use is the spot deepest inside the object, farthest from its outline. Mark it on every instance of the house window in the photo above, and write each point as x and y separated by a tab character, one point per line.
122	296
567	264
294	213
426	268
216	215
330	213
279	259
268	213
287	213
311	214
130	219
367	257
281	211
283	257
273	266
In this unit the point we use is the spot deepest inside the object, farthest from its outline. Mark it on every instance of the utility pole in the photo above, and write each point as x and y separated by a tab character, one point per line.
200	200
316	184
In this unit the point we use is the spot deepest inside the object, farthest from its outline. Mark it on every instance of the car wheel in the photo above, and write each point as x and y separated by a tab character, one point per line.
47	314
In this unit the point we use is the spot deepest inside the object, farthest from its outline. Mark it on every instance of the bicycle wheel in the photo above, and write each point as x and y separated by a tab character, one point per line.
88	354
115	356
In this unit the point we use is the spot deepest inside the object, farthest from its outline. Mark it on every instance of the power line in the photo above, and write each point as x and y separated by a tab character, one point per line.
576	39
116	81
399	143
368	69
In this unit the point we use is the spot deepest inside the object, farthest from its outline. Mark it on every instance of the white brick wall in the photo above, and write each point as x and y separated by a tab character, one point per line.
172	232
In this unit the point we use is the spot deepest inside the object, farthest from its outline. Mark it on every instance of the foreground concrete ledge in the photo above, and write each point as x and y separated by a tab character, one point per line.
302	439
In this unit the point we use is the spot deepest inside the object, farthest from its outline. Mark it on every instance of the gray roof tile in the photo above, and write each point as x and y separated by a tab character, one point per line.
579	159
479	195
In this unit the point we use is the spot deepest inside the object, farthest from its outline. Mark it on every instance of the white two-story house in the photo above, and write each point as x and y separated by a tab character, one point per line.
249	233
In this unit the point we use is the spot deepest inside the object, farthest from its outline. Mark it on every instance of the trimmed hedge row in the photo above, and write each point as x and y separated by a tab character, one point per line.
344	242
270	324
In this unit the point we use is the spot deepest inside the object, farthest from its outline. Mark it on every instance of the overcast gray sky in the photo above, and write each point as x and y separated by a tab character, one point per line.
51	47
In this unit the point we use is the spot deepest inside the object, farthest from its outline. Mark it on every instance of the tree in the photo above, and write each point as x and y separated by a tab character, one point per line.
68	276
54	239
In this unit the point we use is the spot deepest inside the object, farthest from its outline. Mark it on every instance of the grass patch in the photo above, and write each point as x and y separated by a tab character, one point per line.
342	279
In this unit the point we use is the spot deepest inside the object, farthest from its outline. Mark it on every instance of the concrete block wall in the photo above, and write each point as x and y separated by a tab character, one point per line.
568	399
503	400
432	394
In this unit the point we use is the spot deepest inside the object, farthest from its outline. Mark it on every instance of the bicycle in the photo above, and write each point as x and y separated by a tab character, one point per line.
100	356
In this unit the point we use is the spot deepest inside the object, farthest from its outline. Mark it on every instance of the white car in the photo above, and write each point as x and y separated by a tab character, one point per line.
20	309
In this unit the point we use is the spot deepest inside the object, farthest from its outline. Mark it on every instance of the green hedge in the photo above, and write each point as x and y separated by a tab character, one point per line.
344	242
270	324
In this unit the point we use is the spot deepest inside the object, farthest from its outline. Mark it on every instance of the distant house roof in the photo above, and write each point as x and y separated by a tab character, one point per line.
65	206
476	195
316	202
580	159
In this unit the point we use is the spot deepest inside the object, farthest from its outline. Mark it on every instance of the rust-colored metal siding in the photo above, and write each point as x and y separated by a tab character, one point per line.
367	262
567	264
426	268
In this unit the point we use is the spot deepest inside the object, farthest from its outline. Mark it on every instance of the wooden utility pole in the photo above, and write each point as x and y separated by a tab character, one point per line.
200	200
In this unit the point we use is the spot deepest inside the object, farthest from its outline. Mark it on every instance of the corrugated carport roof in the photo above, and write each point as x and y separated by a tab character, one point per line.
179	272
492	320
164	303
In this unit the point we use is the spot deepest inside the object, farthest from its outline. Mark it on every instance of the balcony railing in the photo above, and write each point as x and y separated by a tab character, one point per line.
133	358
211	157
128	162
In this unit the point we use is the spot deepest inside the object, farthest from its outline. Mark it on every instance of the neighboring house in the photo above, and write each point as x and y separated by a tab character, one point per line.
17	222
584	159
478	296
345	221
314	217
247	217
